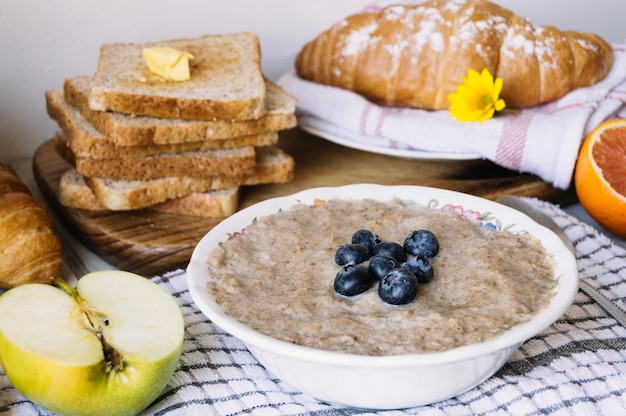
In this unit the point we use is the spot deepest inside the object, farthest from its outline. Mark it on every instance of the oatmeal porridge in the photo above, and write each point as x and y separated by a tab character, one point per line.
277	277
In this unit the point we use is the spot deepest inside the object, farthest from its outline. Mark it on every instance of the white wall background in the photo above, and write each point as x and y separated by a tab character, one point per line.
44	42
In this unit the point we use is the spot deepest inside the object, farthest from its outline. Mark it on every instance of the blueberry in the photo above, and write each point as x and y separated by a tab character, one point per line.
421	268
398	287
381	264
352	280
351	253
367	238
392	249
422	242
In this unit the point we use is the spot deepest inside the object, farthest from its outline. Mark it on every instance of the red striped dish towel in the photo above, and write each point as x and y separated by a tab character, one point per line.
542	140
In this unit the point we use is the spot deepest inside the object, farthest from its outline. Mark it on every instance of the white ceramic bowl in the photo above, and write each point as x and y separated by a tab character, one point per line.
386	382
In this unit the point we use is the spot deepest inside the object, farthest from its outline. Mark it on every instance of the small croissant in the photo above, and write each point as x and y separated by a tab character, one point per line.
30	250
416	55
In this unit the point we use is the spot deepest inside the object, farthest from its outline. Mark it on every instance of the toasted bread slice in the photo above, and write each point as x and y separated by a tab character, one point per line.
75	193
123	194
273	165
87	142
226	80
128	130
237	163
211	204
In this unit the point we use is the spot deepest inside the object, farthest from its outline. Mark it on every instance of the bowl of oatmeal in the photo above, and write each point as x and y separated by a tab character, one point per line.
267	276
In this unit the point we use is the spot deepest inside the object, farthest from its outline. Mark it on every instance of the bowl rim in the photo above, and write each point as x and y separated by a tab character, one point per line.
566	274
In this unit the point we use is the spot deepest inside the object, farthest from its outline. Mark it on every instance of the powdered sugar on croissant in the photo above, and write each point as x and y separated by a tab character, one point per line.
415	55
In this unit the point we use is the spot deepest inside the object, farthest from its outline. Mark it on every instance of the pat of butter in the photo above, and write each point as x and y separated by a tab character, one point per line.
170	63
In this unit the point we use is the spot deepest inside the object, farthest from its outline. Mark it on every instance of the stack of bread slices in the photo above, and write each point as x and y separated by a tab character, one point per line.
136	140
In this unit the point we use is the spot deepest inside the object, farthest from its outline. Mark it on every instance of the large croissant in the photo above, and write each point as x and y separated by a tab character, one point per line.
29	249
415	55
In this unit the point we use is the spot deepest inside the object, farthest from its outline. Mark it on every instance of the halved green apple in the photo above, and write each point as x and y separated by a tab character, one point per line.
107	347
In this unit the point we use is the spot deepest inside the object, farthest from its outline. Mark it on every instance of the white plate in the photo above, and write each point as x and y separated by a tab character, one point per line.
384	150
389	381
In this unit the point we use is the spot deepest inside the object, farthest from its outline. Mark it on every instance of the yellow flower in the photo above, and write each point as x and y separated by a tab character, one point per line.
477	98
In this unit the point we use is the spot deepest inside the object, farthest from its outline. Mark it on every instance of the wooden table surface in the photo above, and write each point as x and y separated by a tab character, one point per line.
150	243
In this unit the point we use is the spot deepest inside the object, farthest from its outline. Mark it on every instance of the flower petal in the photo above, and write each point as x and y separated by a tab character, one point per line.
486	79
487	114
497	88
499	105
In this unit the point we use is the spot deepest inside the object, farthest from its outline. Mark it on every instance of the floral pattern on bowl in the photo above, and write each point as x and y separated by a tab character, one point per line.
485	220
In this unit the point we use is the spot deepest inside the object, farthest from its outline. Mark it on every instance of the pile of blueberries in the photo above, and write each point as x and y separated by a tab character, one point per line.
398	269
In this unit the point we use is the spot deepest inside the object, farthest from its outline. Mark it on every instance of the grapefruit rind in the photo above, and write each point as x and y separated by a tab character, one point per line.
601	201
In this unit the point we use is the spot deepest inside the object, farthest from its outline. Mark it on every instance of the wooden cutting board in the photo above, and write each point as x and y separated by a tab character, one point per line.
150	243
